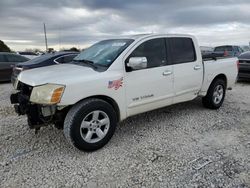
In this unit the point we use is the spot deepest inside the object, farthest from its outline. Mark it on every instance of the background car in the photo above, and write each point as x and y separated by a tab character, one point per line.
229	50
244	66
245	48
43	60
7	61
206	49
30	55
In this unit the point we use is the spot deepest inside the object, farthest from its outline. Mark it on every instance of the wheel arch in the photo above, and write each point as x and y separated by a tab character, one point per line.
220	76
107	99
205	88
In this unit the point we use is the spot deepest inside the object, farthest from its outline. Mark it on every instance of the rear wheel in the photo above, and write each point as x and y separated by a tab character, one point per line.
215	95
90	124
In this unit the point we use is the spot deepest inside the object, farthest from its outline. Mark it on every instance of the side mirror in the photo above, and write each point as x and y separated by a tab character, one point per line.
137	63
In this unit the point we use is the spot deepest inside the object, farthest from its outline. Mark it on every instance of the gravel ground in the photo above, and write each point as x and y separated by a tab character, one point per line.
184	145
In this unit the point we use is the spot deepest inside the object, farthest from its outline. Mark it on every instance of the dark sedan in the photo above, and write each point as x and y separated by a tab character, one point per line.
7	61
244	65
43	60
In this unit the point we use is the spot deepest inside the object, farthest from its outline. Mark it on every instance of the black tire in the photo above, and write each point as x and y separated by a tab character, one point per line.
208	100
76	115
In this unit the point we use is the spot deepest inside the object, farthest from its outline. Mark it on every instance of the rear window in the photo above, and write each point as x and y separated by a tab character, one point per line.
182	50
42	58
223	48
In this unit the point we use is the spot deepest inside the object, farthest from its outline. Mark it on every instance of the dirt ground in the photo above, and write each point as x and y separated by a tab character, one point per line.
184	145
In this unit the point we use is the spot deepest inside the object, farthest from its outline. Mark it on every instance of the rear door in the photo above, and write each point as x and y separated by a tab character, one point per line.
152	87
188	70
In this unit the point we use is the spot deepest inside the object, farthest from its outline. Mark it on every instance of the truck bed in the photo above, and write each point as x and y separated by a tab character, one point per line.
226	66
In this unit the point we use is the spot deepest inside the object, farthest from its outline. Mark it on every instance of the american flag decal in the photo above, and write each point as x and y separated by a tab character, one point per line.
116	84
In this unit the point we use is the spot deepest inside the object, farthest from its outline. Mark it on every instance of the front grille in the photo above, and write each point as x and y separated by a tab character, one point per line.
24	89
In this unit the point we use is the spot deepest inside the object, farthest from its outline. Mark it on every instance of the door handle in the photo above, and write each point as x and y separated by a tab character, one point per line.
197	67
166	73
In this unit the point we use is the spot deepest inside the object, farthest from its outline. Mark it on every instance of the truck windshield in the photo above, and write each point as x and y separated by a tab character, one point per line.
103	53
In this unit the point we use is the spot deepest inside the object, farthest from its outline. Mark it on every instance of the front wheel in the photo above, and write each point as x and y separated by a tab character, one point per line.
215	94
90	124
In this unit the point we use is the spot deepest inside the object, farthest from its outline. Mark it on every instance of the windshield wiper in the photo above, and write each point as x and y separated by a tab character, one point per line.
87	62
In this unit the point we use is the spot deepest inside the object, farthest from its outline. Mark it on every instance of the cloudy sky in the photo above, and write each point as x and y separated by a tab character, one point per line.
82	22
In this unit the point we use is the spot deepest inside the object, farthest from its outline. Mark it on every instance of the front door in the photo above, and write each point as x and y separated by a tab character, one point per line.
152	87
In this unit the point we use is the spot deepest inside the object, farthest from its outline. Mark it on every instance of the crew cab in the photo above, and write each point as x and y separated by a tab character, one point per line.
118	78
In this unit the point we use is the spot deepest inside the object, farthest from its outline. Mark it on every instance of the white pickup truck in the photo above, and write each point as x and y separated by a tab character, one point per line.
118	78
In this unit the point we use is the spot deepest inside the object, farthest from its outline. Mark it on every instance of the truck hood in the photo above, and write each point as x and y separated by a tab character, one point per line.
58	74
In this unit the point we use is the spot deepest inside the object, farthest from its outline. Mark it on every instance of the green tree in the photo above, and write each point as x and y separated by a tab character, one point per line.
74	49
4	47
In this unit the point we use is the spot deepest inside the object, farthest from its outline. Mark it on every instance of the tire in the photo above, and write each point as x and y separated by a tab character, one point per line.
90	124
209	100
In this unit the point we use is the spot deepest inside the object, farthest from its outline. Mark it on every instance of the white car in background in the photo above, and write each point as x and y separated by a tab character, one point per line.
118	78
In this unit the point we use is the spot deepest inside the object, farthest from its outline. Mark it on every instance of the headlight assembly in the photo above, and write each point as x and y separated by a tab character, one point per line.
47	94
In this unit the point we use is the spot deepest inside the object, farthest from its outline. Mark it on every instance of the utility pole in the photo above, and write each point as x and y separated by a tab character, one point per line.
45	36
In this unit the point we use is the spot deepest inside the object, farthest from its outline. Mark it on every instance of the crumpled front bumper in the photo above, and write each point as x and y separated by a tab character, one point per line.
38	114
33	111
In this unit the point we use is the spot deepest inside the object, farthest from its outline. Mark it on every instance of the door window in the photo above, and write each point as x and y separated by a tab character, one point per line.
182	50
154	50
15	58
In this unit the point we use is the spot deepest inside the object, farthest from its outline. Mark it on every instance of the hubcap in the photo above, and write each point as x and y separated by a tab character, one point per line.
94	126
218	94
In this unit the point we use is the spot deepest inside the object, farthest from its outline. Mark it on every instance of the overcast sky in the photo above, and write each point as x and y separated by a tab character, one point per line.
82	22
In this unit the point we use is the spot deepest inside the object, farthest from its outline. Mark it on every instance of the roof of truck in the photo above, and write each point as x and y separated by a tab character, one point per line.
141	36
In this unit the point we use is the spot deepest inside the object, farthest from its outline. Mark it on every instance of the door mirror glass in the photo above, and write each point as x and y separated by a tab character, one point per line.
137	63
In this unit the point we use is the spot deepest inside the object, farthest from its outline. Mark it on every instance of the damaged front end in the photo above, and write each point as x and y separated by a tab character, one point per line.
38	114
